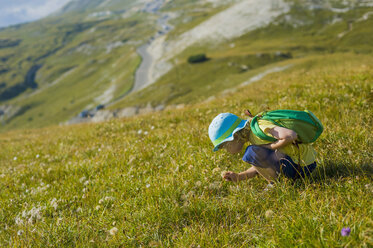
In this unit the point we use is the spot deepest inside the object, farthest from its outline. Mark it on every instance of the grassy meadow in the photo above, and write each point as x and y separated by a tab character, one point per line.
153	180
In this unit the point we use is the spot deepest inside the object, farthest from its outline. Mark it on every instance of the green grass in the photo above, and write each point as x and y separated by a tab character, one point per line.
92	70
161	186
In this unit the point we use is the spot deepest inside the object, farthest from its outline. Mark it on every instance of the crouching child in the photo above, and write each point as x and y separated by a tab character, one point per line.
273	149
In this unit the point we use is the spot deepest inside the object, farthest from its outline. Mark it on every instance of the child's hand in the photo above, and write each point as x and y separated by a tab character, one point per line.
248	113
230	176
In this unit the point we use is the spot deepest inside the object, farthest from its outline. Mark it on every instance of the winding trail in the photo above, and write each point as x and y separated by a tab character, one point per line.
144	70
142	73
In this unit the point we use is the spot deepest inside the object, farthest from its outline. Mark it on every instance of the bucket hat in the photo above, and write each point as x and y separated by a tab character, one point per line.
223	127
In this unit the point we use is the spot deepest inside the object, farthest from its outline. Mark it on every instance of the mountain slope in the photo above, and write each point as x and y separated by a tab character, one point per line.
68	54
301	32
80	5
154	180
97	5
87	55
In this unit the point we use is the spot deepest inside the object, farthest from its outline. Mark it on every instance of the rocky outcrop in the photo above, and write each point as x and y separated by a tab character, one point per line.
8	111
127	112
105	115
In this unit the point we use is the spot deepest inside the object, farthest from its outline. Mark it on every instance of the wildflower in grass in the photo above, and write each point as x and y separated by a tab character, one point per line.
101	201
214	185
268	214
79	210
37	156
345	231
190	194
113	231
148	185
31	216
20	232
216	170
183	197
152	127
98	207
198	183
18	220
15	158
54	203
139	132
109	198
349	152
269	187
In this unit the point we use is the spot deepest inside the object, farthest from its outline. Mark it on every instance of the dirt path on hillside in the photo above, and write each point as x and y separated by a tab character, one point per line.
143	71
233	22
141	76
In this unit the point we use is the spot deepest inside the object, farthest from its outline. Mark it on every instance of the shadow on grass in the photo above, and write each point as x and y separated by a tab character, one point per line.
333	171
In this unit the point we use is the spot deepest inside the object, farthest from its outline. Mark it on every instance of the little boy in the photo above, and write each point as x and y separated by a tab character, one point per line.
227	131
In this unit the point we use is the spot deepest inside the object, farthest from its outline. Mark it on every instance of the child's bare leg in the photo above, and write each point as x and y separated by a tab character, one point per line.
236	177
269	173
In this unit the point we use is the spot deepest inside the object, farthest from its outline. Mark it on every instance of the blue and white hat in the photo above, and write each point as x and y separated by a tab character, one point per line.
223	127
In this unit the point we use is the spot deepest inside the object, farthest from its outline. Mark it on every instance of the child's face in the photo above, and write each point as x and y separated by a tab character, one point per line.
233	147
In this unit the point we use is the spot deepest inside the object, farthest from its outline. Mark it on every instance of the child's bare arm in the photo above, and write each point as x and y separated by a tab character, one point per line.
235	177
284	137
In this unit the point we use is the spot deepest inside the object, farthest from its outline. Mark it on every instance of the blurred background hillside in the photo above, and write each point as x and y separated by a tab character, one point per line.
97	60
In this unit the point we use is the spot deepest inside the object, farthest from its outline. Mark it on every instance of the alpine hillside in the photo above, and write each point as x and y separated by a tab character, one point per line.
102	59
